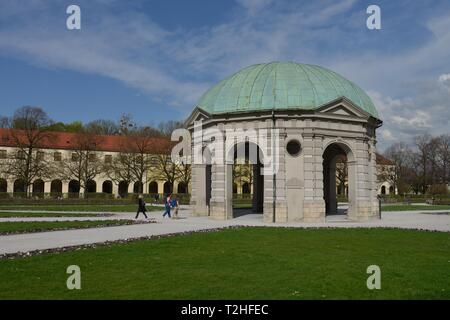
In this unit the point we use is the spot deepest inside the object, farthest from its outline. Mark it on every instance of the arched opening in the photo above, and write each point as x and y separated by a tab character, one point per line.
3	185
153	187
38	188
91	186
74	189
56	188
391	190
138	187
245	188
383	190
246	171
338	174
107	187
19	188
167	187
123	189
181	188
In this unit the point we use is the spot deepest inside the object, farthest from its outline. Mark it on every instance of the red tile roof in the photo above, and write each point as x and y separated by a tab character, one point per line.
68	141
383	161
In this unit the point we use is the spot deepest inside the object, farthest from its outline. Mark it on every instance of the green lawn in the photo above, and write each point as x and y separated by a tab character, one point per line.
32	214
81	207
412	207
245	263
38	226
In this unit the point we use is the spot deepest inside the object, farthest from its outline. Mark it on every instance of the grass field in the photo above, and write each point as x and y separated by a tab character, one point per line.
32	214
406	207
38	226
245	263
81	208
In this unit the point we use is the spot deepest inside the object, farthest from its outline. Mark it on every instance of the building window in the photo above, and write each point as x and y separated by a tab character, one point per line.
40	155
92	157
21	155
74	156
108	158
57	156
2	154
293	147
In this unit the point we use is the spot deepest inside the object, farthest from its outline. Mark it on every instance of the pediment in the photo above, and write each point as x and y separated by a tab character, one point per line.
343	108
197	114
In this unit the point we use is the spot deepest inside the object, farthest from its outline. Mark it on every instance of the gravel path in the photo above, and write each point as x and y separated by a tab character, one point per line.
429	220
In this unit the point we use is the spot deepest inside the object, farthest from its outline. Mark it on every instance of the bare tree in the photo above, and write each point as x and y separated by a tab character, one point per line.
341	174
28	133
134	160
400	175
102	127
4	122
84	164
423	160
444	158
165	169
166	128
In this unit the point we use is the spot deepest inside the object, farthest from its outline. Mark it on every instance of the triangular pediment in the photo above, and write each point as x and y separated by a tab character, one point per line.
343	108
197	114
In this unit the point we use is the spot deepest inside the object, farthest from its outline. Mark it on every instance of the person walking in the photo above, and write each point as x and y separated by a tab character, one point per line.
141	207
175	206
167	204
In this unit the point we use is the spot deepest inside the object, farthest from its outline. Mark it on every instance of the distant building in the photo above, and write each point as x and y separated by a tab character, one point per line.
385	170
62	147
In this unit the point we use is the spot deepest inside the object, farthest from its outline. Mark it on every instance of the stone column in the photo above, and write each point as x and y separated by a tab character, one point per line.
332	187
198	194
65	187
221	203
275	204
115	189
314	204
10	186
352	185
47	185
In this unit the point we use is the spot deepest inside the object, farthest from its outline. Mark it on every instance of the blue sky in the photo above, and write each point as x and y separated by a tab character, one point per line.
153	59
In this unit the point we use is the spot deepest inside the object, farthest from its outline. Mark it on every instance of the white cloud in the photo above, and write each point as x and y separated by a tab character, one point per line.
176	66
444	77
254	6
387	135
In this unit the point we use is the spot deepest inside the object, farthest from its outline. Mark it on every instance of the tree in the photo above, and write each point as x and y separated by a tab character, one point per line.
134	160
243	172
84	164
443	155
4	122
74	127
400	176
166	128
423	147
165	169
341	174
103	127
29	133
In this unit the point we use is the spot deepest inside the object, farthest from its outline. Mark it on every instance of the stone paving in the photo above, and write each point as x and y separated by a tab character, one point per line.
426	220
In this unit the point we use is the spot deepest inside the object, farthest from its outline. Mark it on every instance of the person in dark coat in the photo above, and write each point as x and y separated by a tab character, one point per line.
141	207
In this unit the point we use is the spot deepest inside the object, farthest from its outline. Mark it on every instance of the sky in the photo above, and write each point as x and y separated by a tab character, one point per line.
154	59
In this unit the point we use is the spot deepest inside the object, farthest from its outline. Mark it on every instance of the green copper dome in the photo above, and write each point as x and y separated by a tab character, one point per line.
280	86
